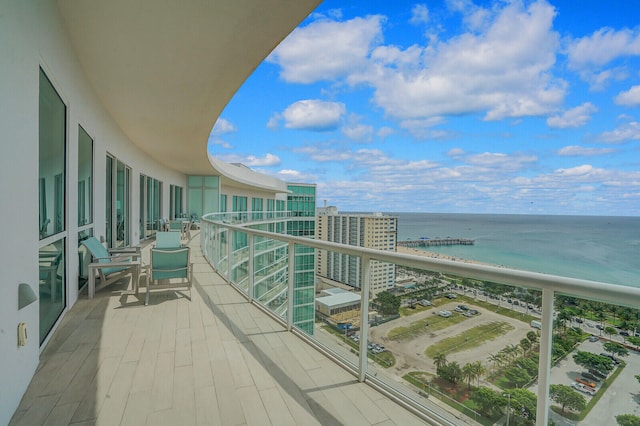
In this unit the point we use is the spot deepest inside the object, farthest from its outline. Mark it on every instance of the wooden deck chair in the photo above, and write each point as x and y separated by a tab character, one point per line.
168	266
111	265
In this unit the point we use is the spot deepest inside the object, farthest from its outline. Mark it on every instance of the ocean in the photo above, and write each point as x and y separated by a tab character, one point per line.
594	248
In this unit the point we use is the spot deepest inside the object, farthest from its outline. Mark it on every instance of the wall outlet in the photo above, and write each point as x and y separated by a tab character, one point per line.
22	334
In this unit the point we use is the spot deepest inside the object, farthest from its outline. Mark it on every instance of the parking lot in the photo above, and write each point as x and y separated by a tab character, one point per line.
622	397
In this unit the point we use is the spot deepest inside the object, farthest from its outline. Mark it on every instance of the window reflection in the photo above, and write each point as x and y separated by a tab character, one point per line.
52	194
85	178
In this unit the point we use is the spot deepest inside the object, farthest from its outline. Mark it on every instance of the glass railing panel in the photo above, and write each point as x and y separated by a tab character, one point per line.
456	345
595	353
337	311
222	251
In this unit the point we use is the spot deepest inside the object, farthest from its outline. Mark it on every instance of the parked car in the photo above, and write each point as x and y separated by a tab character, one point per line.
444	314
451	296
624	333
615	360
579	320
425	302
584	389
600	326
463	307
593	338
598	373
590	376
586	382
457	309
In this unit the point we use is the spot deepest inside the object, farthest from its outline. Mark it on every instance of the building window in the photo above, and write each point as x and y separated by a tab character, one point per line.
52	192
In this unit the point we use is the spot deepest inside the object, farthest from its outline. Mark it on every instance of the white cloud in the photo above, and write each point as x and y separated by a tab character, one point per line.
290	175
629	98
252	160
274	122
495	161
419	14
581	151
574	117
358	132
623	133
422	128
326	49
223	126
602	47
504	71
385	131
315	115
219	142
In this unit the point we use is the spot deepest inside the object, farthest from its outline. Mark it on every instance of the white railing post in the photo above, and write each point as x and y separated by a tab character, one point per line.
230	238
251	266
544	366
291	249
364	317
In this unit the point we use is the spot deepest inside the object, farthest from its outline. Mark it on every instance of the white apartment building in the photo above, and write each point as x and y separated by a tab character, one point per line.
376	231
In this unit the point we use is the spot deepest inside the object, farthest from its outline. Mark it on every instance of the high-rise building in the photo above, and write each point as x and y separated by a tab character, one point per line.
376	231
301	205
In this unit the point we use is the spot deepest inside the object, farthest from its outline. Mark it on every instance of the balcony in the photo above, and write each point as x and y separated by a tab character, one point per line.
529	332
215	360
226	358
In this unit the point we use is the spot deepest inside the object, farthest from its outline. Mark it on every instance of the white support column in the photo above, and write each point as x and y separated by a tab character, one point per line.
292	270
364	317
544	366
251	266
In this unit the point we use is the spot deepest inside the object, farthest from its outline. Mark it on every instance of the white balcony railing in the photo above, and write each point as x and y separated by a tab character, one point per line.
218	233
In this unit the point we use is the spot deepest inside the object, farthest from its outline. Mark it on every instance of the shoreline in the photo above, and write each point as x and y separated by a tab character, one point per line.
434	255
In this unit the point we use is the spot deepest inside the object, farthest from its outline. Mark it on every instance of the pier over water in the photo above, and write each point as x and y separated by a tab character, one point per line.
437	242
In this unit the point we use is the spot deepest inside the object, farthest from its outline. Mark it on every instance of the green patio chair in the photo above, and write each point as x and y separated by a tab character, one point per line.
111	265
169	268
166	240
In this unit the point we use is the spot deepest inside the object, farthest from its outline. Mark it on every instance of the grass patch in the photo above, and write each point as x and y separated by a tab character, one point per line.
406	311
471	338
418	328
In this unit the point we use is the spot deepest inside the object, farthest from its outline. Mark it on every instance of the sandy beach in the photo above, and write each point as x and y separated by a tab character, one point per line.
434	255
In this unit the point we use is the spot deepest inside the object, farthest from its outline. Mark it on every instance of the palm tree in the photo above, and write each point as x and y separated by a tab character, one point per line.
468	373
513	350
479	370
563	316
440	360
532	336
495	359
525	344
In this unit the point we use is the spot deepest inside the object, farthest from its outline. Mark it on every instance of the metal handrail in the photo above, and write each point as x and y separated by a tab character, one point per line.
550	285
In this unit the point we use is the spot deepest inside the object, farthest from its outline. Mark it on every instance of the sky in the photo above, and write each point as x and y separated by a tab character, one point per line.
458	106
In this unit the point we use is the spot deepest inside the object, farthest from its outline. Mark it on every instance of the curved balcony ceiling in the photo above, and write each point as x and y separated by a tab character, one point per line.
165	70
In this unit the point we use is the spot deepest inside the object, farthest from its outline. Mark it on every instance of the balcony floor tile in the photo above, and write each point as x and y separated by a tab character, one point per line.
214	360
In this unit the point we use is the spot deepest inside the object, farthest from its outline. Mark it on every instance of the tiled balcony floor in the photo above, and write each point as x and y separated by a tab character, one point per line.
216	360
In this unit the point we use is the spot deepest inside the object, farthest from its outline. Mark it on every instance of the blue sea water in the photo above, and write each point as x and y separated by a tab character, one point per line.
594	248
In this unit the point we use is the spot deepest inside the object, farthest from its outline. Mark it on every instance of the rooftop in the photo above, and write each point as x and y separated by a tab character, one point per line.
215	360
